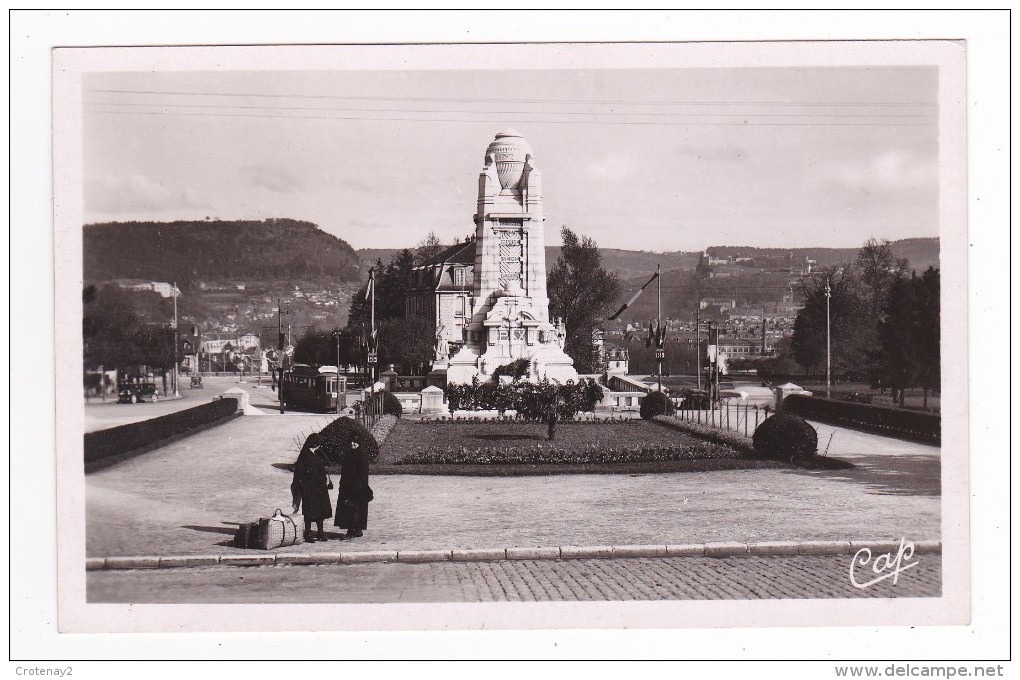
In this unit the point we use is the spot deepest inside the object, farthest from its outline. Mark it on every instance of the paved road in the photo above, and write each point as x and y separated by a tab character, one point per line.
678	578
100	415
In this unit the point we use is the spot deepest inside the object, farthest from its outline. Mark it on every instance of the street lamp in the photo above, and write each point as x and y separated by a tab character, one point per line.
828	342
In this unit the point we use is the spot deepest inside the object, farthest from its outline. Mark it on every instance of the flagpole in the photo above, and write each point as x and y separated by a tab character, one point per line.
658	321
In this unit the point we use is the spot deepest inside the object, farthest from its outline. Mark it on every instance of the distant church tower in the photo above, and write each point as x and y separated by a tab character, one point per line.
510	318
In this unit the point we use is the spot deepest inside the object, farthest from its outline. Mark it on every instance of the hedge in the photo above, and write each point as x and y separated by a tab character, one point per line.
116	441
531	401
913	425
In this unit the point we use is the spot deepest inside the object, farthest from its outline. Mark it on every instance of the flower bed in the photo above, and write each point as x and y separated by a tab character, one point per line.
511	442
537	454
382	428
707	432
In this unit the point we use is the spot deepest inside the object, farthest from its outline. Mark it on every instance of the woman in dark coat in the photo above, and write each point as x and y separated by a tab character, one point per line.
353	492
311	487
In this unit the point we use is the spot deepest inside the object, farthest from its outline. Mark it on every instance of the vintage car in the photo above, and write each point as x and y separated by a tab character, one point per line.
132	393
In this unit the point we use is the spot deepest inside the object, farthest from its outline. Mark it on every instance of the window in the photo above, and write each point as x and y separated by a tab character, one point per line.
458	276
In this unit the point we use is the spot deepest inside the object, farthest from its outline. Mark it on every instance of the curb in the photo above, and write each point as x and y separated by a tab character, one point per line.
715	550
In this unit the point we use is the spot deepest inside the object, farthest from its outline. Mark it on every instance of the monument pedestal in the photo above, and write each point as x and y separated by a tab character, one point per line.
511	321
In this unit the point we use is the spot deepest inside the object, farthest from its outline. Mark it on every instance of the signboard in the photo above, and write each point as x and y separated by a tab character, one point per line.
289	350
660	354
373	358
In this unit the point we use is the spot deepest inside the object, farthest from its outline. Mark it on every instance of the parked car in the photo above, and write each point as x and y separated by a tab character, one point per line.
132	393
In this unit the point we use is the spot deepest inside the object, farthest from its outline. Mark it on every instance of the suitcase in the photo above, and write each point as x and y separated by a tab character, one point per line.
268	533
246	534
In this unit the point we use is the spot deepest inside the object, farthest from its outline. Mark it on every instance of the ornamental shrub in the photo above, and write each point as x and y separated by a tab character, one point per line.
694	399
342	435
515	370
656	404
531	401
785	436
391	405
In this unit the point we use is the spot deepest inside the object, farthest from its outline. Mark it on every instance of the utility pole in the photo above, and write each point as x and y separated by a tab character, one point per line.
336	334
828	342
764	322
280	359
713	359
176	391
659	351
697	330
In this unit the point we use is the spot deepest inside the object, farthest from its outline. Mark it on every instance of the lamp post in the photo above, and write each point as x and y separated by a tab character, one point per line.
697	330
659	351
828	342
336	334
176	391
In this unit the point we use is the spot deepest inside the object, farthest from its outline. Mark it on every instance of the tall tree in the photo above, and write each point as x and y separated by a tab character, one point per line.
929	337
427	249
878	268
848	327
582	293
391	282
898	352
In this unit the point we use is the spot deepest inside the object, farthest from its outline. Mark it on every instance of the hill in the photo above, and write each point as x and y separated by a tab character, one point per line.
922	253
192	252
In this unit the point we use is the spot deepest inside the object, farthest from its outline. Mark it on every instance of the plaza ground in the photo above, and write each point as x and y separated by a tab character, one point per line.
188	497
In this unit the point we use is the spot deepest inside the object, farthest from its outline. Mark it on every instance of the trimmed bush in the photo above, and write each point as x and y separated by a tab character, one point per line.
342	434
656	404
116	441
391	405
785	436
694	400
515	370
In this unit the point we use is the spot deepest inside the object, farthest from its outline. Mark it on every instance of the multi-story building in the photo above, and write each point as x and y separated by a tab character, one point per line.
440	292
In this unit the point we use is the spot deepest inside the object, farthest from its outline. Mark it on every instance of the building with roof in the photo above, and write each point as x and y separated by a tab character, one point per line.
441	292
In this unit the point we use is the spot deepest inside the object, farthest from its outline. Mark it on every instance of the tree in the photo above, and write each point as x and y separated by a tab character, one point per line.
850	325
909	338
878	268
320	347
391	285
897	335
929	337
427	249
582	293
408	343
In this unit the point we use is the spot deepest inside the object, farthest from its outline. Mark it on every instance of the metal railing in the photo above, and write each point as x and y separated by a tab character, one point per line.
742	418
369	410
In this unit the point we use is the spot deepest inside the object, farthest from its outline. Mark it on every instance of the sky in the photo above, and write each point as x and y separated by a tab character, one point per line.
643	159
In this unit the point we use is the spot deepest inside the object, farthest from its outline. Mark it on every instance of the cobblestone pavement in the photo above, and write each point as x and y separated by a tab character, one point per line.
678	578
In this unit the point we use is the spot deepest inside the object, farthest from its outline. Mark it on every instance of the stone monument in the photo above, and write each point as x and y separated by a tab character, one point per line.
510	315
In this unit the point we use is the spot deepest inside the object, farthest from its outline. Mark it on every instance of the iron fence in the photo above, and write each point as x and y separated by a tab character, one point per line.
742	418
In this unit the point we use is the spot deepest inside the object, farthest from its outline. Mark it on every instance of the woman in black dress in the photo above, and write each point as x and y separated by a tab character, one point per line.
310	487
353	493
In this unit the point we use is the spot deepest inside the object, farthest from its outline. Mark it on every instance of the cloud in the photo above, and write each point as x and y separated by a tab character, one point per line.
137	193
278	179
889	171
